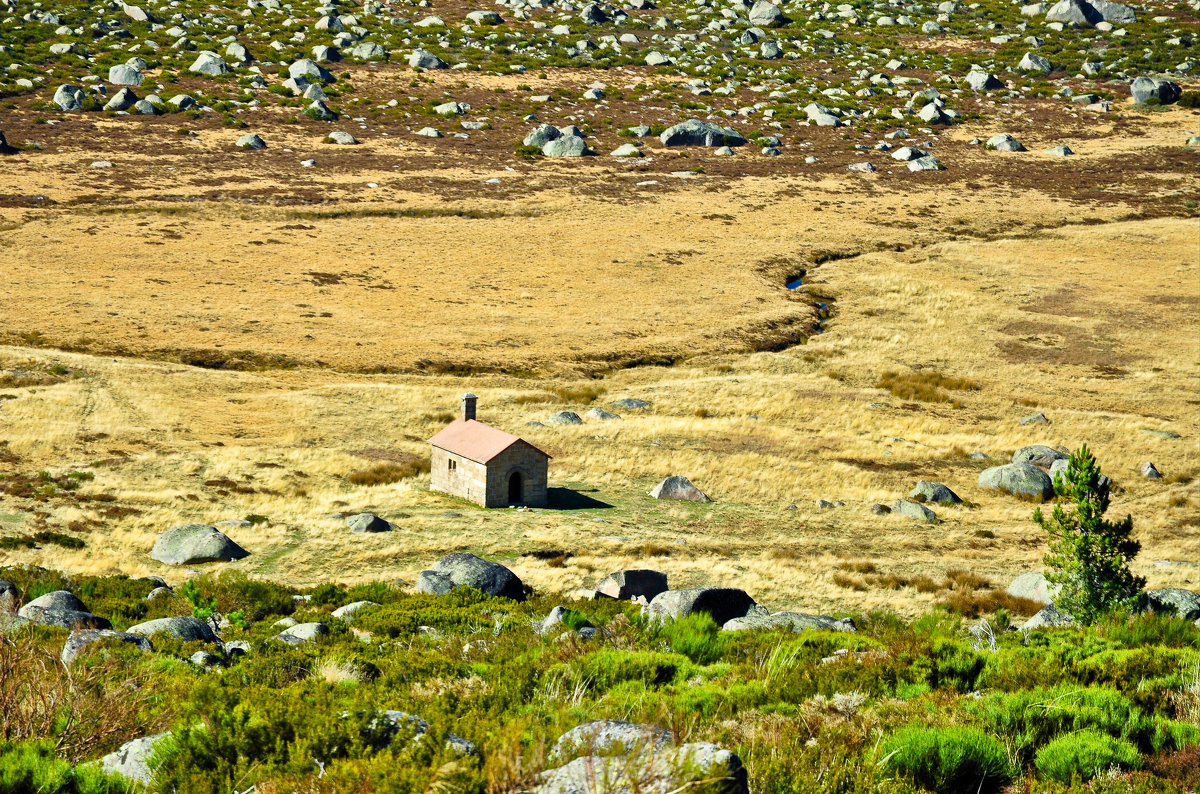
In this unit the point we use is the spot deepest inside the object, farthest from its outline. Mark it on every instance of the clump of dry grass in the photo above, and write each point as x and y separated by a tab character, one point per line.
925	386
849	582
338	670
858	566
653	549
389	472
973	603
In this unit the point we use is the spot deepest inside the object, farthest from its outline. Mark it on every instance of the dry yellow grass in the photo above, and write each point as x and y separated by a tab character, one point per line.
1095	325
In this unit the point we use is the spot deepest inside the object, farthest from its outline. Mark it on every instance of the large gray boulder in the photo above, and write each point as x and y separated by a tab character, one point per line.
122	100
61	608
541	136
914	510
1039	455
251	141
1175	601
765	14
566	146
302	633
1146	88
1051	617
209	63
81	639
348	611
698	766
1035	63
983	81
695	132
1074	12
935	492
367	522
564	418
624	585
185	629
1004	143
1114	12
607	738
791	621
10	597
678	487
420	59
191	544
467	570
68	97
723	604
124	74
1033	586
134	760
310	70
1018	479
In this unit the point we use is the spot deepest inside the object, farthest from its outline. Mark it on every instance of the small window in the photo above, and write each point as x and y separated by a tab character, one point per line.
453	465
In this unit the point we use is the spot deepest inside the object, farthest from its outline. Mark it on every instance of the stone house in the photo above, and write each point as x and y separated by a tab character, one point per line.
487	466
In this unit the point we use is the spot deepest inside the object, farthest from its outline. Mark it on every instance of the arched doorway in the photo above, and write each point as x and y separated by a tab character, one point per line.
514	489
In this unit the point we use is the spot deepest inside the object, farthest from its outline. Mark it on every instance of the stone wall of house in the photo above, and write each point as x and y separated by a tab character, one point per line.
468	479
530	462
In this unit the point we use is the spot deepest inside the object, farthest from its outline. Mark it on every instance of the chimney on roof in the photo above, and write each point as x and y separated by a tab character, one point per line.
468	406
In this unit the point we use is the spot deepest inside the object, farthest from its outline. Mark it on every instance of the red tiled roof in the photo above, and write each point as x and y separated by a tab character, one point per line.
474	440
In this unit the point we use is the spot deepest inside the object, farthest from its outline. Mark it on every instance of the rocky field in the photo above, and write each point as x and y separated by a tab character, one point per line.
862	273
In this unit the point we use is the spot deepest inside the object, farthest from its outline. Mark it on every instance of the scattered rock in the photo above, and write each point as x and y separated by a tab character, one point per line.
132	760
1019	479
793	621
914	510
367	522
1051	617
935	492
601	415
302	633
1060	151
10	597
1149	471
630	404
191	544
678	487
420	59
186	629
1033	585
670	769
343	138
723	604
607	738
765	14
1034	63
61	608
1005	143
467	570
564	418
348	611
81	639
68	97
624	585
251	142
124	74
1175	601
694	132
1039	455
209	63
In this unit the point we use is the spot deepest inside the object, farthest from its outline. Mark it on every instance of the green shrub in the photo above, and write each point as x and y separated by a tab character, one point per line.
1031	718
1083	755
697	636
608	667
34	767
948	760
